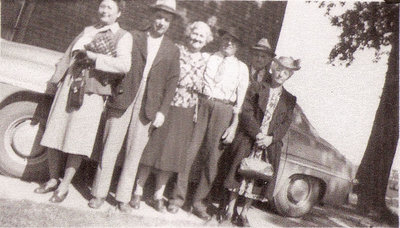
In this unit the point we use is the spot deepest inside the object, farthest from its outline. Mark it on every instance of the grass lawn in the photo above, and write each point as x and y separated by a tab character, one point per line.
26	213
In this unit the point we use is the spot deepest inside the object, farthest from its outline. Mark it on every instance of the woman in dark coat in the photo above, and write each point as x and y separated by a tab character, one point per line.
102	53
266	116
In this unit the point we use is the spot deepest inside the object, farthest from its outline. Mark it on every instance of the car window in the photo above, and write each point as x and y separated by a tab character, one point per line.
10	18
301	122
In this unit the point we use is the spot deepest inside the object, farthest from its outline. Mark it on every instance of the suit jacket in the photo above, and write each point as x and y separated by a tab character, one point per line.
253	113
162	78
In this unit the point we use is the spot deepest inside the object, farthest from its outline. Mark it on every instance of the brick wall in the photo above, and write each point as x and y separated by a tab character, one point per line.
53	24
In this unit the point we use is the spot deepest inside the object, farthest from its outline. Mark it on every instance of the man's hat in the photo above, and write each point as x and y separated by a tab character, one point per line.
263	45
232	31
288	62
166	5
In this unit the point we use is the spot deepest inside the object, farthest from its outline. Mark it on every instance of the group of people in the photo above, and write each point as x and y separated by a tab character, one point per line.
164	105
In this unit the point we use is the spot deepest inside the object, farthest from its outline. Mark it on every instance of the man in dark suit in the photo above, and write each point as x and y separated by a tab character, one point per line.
147	93
261	58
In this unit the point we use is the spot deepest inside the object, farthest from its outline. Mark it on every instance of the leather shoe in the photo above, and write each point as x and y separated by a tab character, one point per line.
43	189
201	214
158	205
135	201
96	202
226	218
172	208
124	207
243	221
57	198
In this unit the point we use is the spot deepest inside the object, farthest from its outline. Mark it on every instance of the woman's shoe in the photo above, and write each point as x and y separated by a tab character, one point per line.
172	208
158	204
57	198
135	201
96	202
243	221
43	189
226	218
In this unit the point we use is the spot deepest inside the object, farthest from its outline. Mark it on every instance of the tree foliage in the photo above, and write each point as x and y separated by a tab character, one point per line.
366	25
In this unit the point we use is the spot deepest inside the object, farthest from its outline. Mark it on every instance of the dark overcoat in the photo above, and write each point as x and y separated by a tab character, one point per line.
249	126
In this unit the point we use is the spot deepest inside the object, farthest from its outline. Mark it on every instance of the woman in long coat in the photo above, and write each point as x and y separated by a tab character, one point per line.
100	55
266	116
165	151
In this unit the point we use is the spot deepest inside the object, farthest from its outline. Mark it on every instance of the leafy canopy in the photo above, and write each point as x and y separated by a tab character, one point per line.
366	25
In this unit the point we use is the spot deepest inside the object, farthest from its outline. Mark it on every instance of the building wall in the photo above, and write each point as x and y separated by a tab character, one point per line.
53	24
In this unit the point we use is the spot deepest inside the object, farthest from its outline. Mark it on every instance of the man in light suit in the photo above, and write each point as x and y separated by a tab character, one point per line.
147	93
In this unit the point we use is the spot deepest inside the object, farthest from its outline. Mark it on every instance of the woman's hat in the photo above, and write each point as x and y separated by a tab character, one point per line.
263	45
232	32
166	5
288	62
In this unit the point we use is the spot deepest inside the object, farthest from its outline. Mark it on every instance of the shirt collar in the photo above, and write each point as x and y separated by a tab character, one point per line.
157	38
233	57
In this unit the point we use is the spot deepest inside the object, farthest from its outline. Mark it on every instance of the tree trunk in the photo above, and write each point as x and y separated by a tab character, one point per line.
374	170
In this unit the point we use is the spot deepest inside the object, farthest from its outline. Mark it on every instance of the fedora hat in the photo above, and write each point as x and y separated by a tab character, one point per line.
288	62
232	31
263	45
166	5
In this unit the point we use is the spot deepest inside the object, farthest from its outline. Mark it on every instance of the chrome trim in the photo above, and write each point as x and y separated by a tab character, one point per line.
317	169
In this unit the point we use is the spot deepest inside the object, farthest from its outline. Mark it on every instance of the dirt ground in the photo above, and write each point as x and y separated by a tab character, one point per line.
19	206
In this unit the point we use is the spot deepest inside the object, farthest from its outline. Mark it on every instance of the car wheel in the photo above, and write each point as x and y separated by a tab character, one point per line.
297	196
20	152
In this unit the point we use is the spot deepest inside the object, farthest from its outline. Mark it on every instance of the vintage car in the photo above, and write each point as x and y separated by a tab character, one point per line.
310	171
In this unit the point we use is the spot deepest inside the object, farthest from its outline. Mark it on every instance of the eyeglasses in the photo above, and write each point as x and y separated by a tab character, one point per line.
229	39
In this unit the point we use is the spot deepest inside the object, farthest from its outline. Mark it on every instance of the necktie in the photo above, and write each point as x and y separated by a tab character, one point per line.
221	71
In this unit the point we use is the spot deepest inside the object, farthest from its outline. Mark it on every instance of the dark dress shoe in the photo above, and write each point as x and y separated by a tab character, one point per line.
57	198
172	208
96	202
243	221
135	201
124	207
226	218
201	214
158	205
43	189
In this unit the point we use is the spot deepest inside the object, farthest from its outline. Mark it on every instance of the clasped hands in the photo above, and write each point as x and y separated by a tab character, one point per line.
263	141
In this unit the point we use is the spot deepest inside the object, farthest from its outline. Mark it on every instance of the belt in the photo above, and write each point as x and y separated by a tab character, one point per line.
224	101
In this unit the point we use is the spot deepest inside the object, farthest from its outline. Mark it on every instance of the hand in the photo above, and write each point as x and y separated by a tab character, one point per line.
229	134
159	120
263	141
91	55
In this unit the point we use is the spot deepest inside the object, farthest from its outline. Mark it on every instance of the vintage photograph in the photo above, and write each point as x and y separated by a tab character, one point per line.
191	113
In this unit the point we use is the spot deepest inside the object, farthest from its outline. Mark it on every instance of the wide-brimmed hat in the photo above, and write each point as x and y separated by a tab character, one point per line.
288	62
263	45
166	5
232	31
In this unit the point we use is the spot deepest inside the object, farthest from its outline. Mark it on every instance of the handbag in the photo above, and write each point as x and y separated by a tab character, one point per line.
77	90
254	167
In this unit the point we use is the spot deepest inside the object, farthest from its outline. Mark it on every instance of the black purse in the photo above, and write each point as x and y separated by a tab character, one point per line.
77	90
80	72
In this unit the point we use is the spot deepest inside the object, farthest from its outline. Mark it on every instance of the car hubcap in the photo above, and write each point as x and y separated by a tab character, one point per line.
22	140
299	190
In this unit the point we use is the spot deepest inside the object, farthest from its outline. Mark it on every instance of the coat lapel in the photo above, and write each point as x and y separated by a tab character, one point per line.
163	50
281	108
142	45
263	97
